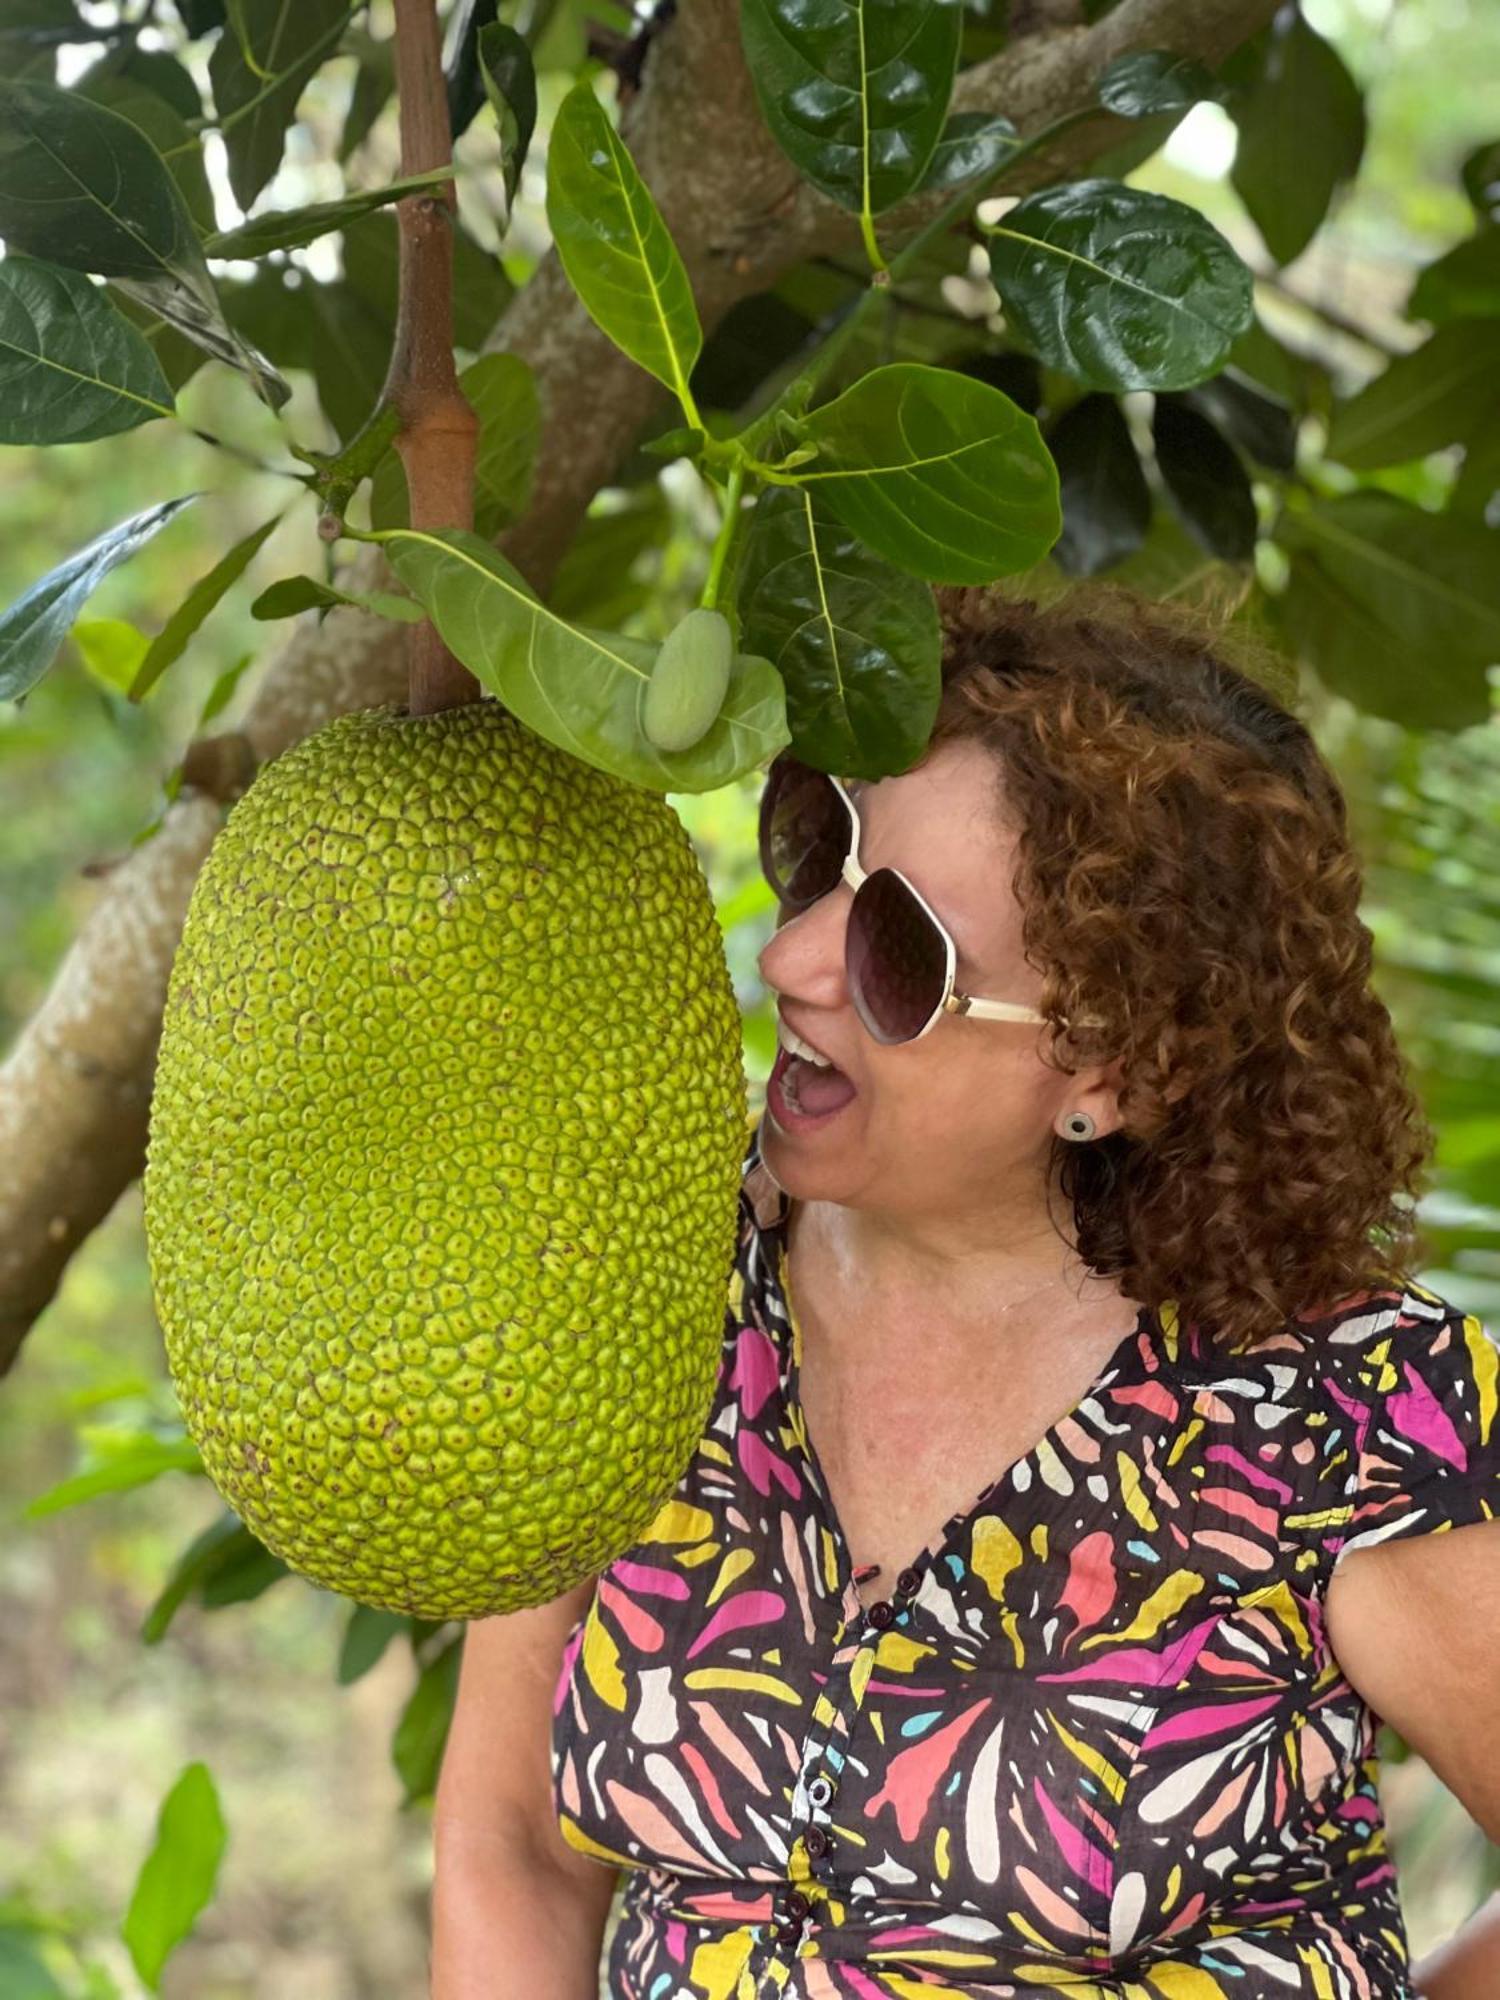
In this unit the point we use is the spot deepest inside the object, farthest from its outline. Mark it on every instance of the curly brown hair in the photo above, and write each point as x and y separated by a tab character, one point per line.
1186	877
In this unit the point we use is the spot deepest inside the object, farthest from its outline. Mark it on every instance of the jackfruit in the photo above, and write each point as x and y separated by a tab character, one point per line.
689	680
443	1162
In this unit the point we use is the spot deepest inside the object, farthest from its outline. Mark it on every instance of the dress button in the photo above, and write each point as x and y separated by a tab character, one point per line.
788	1933
881	1614
908	1581
817	1841
797	1905
820	1791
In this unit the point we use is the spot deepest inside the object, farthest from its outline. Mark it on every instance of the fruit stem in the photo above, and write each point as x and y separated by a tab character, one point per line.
733	487
438	431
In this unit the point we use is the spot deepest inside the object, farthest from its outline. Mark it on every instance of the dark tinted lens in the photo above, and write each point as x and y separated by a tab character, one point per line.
897	963
804	834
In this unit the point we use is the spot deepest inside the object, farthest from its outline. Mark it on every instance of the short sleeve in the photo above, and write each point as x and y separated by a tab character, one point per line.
1428	1441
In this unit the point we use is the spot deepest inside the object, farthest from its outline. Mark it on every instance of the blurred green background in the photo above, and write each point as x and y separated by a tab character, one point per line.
322	1894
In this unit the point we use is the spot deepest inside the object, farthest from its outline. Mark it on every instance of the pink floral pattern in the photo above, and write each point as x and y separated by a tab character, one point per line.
1093	1743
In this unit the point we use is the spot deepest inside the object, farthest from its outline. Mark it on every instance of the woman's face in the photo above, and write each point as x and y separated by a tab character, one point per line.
953	1132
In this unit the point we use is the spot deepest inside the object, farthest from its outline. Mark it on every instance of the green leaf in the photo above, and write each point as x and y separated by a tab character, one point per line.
1463	285
857	644
1301	133
258	69
30	33
71	368
366	1637
1117	287
939	473
505	63
162	124
176	1883
216	1560
855	96
422	1731
1396	608
81	185
502	390
579	688
111	650
171	641
295	594
1106	502
291	228
972	143
614	246
461	61
1154	81
126	1460
1204	476
1444	392
1261	425
37	623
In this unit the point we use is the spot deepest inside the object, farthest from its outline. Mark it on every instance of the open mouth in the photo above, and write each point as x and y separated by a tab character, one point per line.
803	1094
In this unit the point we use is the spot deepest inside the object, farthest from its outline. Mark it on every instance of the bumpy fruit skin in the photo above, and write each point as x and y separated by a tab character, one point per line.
688	681
443	1165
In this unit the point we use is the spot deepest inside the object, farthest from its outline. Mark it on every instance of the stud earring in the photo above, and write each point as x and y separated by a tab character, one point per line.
1078	1125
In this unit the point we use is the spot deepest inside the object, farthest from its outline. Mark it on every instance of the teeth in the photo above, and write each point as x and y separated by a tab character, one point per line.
800	1048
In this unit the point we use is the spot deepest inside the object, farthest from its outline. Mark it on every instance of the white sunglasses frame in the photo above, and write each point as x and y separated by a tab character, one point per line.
953	1001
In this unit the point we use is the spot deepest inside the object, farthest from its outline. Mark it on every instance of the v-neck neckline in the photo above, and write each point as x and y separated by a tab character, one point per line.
943	1541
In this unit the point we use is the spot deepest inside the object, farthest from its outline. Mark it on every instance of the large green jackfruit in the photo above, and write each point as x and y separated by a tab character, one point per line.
443	1166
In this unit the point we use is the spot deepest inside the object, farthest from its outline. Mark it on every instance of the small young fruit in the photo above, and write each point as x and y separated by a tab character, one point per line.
688	681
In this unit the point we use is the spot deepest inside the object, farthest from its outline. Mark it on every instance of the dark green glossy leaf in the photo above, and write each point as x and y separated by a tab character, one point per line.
258	69
1014	374
295	594
161	74
1154	81
857	644
1106	502
972	144
1117	287
171	641
580	688
81	185
37	623
291	228
176	1883
374	87
71	368
422	1731
1463	285
939	473
854	95
502	390
200	17
461	61
1301	133
1476	491
366	1637
1481	179
1261	425
510	85
180	149
1206	480
1445	391
614	246
1396	608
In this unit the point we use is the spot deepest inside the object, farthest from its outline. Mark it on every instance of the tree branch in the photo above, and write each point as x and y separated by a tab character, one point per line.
75	1090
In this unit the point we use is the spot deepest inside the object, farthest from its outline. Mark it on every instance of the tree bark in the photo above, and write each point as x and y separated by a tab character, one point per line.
75	1090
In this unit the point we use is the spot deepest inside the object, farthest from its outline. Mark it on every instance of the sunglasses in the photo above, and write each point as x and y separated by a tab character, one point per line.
899	956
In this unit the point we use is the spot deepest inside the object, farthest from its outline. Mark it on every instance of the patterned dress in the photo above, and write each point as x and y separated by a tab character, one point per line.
1093	1743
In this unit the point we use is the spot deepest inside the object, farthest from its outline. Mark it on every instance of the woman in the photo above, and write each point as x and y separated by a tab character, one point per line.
1024	1618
